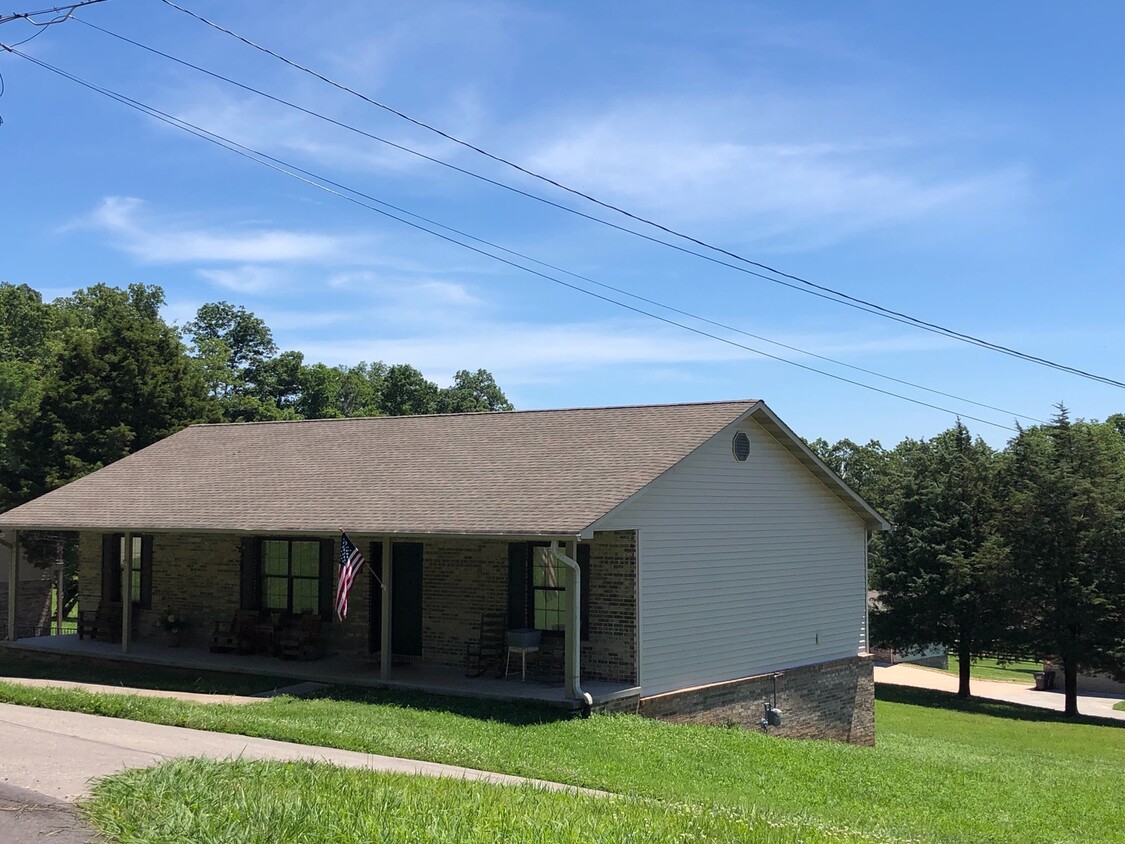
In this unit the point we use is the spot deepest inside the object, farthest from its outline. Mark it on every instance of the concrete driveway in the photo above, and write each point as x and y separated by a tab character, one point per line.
59	753
904	674
50	759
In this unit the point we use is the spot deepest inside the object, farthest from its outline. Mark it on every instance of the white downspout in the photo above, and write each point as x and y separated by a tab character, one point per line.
573	644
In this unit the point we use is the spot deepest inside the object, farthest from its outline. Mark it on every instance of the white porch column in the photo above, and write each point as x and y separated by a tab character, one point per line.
13	585
126	593
385	597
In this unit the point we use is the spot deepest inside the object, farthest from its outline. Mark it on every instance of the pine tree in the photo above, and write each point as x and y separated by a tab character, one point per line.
1064	523
940	582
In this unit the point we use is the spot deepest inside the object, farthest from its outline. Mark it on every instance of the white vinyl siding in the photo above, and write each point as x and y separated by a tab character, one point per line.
743	566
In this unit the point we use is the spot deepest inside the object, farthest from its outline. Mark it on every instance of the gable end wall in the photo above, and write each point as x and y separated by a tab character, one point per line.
745	568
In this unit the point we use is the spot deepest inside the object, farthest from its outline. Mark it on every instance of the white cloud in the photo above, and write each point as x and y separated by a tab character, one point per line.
769	169
521	350
248	278
151	240
403	289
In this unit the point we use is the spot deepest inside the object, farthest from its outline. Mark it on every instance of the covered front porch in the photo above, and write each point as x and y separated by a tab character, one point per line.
333	670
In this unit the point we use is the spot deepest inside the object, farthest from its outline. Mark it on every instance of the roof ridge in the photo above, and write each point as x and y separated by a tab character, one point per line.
479	413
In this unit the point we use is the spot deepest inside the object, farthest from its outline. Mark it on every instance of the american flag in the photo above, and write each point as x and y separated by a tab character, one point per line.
351	561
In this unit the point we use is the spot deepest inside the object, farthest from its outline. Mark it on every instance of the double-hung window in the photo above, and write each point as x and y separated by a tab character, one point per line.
537	588
548	590
291	575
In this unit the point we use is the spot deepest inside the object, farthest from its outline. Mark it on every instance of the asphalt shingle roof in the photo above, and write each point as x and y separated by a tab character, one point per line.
550	472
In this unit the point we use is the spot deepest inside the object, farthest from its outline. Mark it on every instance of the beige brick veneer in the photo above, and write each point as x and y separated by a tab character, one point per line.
830	700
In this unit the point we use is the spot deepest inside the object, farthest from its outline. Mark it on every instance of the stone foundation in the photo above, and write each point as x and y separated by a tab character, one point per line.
830	700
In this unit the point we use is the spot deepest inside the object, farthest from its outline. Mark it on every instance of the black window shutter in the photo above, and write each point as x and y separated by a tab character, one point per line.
327	570
111	567
584	605
251	594
146	572
517	585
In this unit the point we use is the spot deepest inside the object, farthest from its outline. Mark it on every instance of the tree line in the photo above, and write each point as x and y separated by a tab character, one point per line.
89	378
1018	552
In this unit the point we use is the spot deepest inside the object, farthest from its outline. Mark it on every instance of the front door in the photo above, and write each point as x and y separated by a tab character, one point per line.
406	599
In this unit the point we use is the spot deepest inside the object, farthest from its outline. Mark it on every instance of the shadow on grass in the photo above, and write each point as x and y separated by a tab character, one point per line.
134	675
982	706
516	714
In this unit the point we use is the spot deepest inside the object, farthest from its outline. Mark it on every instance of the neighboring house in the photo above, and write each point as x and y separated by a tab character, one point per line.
32	594
931	656
1089	683
722	563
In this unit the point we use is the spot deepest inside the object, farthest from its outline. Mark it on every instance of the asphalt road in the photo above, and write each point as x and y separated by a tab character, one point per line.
27	817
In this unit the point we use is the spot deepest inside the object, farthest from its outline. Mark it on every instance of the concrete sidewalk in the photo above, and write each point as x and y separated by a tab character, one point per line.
58	753
904	674
97	688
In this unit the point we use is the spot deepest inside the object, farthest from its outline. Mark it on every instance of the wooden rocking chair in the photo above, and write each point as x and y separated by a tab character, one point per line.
488	651
302	639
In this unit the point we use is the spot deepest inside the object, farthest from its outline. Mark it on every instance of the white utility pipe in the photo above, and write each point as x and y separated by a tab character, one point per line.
573	642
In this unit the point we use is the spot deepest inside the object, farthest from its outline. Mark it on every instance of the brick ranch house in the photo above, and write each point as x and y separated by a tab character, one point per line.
719	563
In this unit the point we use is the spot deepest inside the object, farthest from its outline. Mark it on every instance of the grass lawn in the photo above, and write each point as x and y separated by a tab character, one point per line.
943	771
990	669
1120	707
266	802
136	675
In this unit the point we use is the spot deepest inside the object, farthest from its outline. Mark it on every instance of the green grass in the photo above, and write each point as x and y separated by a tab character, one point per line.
990	669
135	675
1120	707
266	802
943	770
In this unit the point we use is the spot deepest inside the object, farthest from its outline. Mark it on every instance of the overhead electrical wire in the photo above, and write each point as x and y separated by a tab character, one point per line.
27	17
68	8
808	286
358	198
472	174
494	245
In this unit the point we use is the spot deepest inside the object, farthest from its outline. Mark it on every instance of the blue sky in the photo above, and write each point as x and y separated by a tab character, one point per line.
960	162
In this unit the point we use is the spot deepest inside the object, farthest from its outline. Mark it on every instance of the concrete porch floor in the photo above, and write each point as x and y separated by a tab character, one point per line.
336	670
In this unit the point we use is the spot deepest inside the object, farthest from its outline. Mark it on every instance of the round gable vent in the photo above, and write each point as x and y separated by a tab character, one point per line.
741	446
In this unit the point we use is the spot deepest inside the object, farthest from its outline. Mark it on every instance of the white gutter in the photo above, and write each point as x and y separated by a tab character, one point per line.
573	643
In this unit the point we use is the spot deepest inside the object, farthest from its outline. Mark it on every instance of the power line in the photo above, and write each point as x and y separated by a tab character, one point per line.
315	181
69	9
809	286
507	187
494	245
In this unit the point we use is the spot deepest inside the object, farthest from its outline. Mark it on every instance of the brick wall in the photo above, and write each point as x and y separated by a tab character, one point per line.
830	700
610	653
463	578
198	576
460	580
